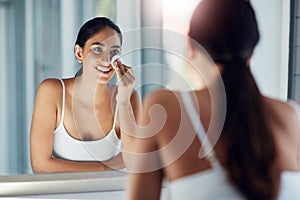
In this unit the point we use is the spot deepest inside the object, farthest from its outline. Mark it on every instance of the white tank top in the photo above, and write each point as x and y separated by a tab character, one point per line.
209	184
213	184
69	148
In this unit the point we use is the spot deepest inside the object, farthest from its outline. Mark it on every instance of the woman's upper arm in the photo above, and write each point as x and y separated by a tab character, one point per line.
44	121
136	104
145	172
144	165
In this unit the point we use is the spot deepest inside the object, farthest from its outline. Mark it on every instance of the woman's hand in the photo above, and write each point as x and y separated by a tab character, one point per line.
126	81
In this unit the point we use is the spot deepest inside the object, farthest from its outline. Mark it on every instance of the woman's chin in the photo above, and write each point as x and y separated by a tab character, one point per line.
103	80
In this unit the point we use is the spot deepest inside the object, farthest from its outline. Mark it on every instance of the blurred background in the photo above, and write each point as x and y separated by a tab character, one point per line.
37	39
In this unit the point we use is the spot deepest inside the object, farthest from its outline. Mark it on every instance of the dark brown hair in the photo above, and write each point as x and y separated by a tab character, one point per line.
92	27
228	31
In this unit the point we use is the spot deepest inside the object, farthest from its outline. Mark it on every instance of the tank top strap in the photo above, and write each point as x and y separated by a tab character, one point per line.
191	109
115	117
296	107
63	102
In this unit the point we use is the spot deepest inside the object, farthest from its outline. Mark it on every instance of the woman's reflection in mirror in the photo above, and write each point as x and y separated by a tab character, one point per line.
77	123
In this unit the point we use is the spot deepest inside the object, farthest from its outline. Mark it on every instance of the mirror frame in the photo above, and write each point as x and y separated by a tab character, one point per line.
59	183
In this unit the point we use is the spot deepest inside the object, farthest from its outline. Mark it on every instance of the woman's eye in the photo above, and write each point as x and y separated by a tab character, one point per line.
114	52
97	49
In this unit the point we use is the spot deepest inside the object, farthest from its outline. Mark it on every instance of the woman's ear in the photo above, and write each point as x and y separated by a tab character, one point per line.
190	50
78	53
249	58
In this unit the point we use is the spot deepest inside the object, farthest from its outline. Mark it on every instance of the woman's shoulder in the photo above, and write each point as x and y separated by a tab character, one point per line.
49	84
285	125
162	97
53	84
48	94
51	88
283	107
283	114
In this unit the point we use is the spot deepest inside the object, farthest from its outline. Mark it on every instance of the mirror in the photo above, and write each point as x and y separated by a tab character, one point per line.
37	40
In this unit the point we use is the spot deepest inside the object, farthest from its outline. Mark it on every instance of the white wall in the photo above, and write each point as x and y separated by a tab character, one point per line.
270	59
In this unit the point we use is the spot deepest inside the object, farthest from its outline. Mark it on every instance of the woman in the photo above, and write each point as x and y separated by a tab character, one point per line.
76	124
260	137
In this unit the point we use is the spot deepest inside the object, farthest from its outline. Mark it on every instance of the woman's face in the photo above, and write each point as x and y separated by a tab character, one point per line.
97	54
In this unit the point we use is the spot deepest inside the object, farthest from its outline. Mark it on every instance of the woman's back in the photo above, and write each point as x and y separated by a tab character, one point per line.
253	137
284	121
188	170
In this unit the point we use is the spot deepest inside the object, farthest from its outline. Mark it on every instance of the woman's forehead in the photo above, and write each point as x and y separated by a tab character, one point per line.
106	36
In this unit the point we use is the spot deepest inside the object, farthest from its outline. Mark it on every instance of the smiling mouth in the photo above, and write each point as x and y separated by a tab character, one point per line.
104	70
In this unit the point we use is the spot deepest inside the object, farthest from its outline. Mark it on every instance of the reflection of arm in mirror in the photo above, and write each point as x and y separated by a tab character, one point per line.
129	103
142	160
74	124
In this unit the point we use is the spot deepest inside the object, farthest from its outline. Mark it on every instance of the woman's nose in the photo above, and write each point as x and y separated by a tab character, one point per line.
105	61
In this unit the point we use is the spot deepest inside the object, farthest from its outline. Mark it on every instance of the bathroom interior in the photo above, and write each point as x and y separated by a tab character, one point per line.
37	42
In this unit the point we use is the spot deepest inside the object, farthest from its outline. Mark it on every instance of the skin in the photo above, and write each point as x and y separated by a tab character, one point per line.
94	101
282	117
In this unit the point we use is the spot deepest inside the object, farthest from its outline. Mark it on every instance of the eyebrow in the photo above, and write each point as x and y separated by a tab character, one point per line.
116	46
98	43
101	44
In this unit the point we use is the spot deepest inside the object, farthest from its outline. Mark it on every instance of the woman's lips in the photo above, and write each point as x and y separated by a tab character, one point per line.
104	70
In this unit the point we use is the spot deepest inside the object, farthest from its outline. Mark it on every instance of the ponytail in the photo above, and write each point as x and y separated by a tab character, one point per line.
228	31
250	147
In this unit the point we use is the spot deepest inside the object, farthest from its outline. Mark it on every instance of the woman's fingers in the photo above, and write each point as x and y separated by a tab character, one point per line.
127	79
122	67
124	73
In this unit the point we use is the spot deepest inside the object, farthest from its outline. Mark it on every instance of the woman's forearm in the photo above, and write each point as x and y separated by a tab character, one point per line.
128	114
54	165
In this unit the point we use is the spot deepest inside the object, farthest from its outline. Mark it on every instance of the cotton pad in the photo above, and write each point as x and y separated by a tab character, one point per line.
114	58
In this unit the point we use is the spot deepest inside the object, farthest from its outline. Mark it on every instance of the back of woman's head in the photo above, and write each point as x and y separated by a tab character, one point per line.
227	30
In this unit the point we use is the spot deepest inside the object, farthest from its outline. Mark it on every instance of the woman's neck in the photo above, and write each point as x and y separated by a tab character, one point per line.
88	90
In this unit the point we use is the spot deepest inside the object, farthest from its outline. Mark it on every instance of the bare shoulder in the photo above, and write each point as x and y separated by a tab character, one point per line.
285	126
163	106
283	114
49	89
162	97
50	84
281	107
